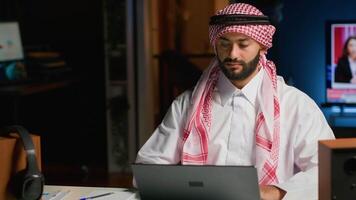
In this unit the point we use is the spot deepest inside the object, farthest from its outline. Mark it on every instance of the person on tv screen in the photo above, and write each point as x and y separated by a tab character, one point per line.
345	70
241	113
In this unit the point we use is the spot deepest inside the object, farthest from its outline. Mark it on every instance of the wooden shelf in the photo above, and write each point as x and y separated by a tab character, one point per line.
32	88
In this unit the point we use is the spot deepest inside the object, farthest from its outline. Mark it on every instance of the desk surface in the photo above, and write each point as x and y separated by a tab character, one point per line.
75	192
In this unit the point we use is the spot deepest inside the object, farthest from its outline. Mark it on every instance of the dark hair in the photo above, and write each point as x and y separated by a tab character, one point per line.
345	53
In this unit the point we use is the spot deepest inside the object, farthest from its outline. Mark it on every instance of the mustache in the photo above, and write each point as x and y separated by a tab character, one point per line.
234	61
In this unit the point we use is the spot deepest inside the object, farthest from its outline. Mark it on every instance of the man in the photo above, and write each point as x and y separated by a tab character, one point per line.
241	113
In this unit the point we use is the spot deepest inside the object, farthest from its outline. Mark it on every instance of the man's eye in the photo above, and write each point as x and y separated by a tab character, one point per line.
225	44
243	46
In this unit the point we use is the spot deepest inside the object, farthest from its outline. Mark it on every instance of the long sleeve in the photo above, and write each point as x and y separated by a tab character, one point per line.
163	146
311	126
302	126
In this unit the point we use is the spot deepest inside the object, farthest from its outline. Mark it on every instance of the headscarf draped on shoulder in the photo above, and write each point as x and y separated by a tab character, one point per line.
248	20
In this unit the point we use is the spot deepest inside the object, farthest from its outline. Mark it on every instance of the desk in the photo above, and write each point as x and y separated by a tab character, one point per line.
77	192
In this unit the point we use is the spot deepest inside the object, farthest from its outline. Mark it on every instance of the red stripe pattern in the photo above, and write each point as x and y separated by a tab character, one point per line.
261	33
196	133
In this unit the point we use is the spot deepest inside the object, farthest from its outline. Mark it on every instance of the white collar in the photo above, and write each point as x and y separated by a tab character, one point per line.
226	89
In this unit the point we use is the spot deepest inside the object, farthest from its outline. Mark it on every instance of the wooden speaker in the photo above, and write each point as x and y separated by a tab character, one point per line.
337	169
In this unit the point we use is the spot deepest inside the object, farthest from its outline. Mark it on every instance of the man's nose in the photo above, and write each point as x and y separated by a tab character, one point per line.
235	52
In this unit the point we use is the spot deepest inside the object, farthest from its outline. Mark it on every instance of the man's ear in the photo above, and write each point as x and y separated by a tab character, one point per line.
263	51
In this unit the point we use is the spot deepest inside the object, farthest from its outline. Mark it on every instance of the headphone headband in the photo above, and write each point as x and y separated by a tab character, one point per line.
27	142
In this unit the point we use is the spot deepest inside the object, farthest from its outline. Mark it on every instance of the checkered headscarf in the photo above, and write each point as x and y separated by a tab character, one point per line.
195	139
261	33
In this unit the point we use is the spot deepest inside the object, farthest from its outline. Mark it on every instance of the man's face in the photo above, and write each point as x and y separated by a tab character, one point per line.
238	55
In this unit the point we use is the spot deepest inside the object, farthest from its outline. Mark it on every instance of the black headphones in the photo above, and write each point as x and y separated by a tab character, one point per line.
26	184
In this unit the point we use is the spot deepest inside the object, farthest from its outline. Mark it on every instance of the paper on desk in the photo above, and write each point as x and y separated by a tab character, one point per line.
55	195
117	195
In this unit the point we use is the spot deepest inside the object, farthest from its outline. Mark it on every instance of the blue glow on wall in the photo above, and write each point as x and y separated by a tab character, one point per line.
299	45
300	48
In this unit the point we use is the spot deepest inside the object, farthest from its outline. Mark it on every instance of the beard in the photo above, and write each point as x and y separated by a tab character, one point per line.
247	68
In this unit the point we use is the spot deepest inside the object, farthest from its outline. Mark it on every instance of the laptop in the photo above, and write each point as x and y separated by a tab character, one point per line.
196	182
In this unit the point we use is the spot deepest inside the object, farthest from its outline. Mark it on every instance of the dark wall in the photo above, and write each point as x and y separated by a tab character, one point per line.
300	42
70	120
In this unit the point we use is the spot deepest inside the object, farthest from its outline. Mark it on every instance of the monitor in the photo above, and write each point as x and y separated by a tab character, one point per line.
341	61
11	53
10	42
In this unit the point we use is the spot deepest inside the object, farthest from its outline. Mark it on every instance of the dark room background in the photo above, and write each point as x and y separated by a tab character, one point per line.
72	120
301	42
69	119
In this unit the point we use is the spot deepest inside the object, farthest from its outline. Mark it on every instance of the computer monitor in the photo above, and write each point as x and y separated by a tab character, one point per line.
11	53
10	42
341	75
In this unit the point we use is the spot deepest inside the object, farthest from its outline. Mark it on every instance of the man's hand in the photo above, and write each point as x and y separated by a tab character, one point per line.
270	192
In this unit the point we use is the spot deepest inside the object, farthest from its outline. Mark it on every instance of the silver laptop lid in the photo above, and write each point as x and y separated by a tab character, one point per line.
193	182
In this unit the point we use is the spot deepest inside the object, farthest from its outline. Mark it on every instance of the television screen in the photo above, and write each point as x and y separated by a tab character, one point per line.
341	62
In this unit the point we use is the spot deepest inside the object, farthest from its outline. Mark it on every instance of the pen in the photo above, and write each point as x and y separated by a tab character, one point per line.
96	196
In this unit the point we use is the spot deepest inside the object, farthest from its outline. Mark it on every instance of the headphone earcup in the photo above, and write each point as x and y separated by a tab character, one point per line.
33	186
16	184
25	186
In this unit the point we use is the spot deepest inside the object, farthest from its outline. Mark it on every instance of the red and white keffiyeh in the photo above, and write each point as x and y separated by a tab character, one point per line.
196	131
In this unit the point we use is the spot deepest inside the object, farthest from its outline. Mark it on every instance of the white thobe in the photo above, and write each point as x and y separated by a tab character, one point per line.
232	135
